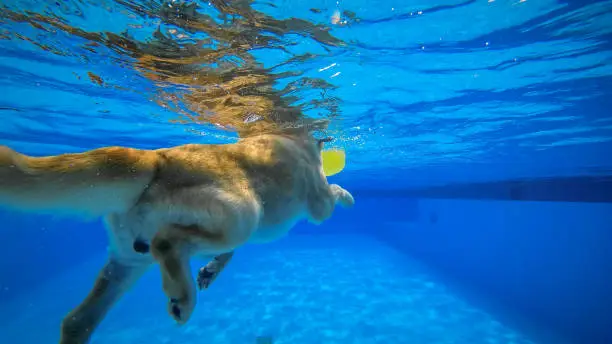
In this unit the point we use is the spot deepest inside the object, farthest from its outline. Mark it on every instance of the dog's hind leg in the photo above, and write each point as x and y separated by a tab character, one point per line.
113	281
172	247
171	250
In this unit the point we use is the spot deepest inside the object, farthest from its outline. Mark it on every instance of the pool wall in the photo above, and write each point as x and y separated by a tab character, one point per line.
549	261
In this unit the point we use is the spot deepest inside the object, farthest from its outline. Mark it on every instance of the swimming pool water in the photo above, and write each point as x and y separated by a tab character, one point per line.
417	93
304	289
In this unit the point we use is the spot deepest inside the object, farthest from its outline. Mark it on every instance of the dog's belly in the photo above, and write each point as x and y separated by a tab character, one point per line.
270	232
123	230
144	221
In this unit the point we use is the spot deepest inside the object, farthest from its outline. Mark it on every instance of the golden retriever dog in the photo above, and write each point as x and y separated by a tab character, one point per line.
168	205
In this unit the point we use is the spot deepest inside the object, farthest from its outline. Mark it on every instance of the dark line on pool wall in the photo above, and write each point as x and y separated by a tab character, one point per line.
2	108
583	189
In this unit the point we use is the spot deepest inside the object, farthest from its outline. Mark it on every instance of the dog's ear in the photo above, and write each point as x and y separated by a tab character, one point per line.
321	142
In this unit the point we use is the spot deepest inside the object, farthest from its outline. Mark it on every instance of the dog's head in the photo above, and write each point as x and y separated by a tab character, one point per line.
308	133
306	130
312	134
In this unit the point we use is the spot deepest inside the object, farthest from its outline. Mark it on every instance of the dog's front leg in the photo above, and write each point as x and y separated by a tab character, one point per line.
341	196
113	281
208	273
322	200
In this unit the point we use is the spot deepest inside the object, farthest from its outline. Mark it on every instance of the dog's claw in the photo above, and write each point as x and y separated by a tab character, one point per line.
176	311
180	310
205	277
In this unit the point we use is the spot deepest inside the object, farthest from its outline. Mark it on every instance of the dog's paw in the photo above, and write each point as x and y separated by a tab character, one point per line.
181	293
343	197
207	274
347	199
181	309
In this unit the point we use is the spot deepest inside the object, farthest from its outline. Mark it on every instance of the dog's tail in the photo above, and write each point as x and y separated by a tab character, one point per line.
96	182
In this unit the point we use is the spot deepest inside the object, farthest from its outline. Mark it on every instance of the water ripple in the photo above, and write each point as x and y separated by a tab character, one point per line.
405	86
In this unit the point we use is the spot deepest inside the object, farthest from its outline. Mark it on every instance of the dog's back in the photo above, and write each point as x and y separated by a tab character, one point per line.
282	173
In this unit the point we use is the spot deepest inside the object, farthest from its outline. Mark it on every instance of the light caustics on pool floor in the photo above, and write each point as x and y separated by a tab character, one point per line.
320	289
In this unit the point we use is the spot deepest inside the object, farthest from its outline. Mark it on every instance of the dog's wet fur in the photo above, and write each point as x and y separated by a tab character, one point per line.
165	206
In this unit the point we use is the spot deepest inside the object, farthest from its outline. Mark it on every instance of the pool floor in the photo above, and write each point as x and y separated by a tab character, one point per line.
303	289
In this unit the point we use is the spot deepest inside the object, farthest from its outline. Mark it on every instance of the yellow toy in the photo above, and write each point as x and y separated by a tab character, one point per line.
334	161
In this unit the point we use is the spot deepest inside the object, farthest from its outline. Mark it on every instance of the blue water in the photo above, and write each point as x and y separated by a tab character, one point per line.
455	94
303	290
